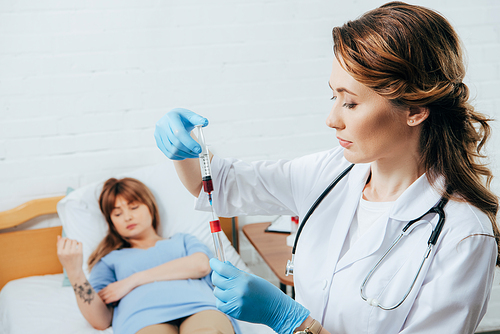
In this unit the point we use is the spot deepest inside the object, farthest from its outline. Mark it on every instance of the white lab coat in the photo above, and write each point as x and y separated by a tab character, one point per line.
453	289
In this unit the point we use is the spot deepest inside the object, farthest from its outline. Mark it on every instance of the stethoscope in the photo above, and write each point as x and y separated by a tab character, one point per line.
437	209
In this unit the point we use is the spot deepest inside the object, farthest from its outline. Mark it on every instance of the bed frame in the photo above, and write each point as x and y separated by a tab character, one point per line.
29	252
33	252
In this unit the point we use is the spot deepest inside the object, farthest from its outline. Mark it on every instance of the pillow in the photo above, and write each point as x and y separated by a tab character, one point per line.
82	219
66	281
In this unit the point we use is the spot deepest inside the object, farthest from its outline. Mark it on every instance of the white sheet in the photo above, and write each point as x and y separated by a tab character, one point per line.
40	304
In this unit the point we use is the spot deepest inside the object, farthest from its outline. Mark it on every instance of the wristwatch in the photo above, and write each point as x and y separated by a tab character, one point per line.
314	328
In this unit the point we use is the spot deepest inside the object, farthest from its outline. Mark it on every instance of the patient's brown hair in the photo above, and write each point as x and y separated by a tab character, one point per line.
131	190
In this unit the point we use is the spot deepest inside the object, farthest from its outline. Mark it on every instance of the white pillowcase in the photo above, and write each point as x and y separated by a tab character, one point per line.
83	221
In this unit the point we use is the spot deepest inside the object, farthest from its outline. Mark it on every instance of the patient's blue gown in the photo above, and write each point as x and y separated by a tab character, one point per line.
159	301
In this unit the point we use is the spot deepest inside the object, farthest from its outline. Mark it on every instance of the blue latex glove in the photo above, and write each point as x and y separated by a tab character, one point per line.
172	134
250	298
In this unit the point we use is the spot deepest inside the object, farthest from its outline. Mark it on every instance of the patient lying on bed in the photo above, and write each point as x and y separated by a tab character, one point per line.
139	282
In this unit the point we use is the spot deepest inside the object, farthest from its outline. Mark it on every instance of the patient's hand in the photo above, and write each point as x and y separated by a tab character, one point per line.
70	254
117	290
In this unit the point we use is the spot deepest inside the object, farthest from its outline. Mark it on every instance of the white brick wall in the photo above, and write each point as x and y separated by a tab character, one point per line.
82	83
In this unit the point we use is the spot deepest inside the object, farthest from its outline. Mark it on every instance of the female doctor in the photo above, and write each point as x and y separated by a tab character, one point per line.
402	117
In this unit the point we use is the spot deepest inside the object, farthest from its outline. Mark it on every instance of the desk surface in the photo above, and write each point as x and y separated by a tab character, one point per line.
272	247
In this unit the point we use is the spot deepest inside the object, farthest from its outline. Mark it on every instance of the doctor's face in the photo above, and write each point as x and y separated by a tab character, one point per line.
368	126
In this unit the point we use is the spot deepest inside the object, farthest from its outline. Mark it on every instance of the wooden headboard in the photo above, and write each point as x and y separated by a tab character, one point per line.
33	252
29	252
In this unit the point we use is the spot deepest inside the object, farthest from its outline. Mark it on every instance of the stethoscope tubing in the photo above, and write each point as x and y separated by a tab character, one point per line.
318	202
438	209
290	263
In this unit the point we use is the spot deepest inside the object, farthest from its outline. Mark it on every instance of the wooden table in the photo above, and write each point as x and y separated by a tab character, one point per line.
273	249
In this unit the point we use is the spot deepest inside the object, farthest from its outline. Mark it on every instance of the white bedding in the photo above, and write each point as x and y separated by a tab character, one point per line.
39	304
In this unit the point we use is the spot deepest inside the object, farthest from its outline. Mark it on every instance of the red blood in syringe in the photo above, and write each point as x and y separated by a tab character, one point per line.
208	186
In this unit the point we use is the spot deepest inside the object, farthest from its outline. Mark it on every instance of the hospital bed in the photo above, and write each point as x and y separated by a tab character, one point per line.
36	297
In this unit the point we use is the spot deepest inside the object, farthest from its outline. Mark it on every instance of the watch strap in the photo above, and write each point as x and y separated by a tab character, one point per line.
314	328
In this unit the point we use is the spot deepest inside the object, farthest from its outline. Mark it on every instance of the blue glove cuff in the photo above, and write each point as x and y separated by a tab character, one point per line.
292	318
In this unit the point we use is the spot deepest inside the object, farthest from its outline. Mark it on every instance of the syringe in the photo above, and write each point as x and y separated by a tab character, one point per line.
206	171
216	231
208	187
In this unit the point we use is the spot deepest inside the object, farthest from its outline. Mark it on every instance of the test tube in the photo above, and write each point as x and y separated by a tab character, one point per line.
216	231
206	170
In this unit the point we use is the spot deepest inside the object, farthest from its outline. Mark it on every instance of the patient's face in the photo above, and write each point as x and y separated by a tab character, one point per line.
132	219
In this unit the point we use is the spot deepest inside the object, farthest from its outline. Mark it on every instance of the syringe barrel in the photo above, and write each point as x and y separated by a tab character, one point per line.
206	170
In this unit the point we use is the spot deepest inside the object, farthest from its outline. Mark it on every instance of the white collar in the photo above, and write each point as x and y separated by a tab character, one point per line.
417	199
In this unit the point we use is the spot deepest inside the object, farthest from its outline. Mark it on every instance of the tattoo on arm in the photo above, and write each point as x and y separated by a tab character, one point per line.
84	291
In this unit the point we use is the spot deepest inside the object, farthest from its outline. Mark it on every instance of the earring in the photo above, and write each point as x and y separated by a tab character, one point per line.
411	121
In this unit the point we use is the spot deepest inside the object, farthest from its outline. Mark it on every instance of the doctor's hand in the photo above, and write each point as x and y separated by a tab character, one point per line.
172	134
250	298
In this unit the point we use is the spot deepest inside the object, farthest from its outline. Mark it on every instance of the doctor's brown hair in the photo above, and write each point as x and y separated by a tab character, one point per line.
131	190
412	56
